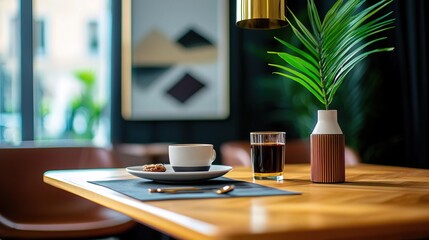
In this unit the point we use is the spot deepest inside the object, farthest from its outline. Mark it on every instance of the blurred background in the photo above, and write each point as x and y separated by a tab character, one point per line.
61	82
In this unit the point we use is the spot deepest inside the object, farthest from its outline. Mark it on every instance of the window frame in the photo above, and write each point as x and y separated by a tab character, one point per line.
26	69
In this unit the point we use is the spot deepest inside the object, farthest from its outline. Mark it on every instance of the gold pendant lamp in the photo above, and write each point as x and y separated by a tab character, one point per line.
261	14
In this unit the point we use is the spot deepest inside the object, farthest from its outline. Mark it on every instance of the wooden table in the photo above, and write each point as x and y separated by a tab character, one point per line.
377	202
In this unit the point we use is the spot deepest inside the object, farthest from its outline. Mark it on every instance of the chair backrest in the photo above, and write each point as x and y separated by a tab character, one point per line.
133	154
25	196
237	153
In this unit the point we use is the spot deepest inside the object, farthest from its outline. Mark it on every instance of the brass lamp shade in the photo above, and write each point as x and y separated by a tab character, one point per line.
261	14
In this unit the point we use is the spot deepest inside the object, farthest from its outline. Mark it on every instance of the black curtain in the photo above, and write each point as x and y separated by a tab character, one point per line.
398	130
397	133
413	51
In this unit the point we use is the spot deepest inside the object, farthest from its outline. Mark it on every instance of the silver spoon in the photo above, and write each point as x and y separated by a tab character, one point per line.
222	190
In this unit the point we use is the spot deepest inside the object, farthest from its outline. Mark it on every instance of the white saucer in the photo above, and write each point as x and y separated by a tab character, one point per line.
170	176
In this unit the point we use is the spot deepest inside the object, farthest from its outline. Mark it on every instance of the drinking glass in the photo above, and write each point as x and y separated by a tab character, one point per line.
268	155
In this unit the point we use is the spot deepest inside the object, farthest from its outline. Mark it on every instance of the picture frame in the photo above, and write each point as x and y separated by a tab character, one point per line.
175	60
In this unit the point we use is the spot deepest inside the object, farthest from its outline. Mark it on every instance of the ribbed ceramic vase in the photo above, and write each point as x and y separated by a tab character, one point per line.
327	149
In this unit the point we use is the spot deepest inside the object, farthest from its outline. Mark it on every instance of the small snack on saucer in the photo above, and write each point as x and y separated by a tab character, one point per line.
154	168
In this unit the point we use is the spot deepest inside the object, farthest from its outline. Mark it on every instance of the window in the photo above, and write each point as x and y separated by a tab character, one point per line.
69	90
9	68
39	37
93	37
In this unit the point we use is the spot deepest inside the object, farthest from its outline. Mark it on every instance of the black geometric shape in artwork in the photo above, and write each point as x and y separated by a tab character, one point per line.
185	88
192	39
143	77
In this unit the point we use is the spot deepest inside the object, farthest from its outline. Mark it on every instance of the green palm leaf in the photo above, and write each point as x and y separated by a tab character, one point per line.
333	46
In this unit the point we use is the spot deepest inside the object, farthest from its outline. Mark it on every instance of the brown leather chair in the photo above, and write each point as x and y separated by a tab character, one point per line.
237	153
134	154
30	208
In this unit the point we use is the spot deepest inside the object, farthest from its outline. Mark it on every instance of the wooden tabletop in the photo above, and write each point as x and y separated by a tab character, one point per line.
376	202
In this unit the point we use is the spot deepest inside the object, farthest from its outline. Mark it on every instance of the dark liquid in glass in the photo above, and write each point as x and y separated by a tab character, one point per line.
268	157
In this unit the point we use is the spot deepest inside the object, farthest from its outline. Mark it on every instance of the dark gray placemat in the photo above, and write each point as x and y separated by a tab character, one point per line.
138	189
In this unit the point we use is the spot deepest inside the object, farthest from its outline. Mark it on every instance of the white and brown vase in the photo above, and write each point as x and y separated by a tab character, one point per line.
327	146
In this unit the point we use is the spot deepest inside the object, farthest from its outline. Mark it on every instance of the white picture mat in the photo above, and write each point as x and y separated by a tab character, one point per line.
207	17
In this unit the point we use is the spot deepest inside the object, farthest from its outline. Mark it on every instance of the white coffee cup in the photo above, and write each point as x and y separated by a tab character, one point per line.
191	157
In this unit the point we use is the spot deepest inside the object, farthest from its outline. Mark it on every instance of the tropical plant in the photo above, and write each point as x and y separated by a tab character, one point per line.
333	47
85	109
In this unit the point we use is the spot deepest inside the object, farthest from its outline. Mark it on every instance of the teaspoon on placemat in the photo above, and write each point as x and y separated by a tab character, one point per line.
222	190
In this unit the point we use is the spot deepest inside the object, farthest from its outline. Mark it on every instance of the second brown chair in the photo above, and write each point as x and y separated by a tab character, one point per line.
237	153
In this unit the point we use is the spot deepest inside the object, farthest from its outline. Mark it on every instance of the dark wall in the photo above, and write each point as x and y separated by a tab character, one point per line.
208	131
395	132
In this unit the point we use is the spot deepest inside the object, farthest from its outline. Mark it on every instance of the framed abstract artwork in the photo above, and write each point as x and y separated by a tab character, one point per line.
175	59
